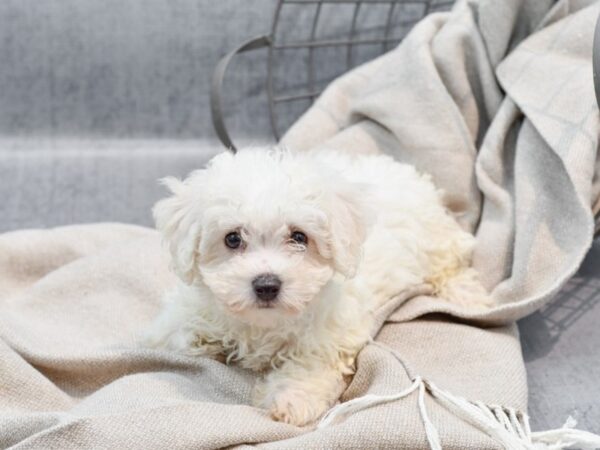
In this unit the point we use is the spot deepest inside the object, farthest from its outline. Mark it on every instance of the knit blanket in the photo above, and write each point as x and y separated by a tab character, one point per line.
495	100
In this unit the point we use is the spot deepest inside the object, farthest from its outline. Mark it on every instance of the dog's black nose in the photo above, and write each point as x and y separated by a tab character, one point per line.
266	286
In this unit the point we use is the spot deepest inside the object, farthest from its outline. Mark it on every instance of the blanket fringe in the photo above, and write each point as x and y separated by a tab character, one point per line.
505	425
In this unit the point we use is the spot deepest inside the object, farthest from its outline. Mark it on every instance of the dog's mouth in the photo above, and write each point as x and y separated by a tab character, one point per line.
266	304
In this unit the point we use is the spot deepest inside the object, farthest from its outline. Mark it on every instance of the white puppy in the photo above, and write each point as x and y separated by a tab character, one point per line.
284	257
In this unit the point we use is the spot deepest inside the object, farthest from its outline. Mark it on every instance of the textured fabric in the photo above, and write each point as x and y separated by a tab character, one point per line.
71	303
73	298
511	137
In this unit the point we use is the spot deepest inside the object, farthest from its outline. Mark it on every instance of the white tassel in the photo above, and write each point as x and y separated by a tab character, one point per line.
481	417
364	402
505	425
566	437
430	431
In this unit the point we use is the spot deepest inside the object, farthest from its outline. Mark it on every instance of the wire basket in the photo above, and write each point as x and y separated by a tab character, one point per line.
341	35
374	25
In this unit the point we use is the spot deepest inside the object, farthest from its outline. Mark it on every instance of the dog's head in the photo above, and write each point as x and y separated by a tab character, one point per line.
264	230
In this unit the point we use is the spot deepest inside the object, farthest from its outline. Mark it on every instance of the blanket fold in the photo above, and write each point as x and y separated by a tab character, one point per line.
494	99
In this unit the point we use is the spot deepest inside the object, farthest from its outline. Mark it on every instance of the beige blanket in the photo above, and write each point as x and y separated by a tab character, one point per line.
495	99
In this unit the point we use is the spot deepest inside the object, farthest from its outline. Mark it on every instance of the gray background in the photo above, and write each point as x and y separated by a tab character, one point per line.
100	98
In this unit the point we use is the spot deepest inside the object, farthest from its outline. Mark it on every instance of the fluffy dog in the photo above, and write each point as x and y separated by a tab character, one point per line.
283	257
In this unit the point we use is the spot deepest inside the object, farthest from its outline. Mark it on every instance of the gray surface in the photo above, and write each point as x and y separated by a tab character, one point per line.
50	183
561	349
139	68
80	80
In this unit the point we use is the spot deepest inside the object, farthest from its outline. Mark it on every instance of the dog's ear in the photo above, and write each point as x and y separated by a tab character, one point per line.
180	228
349	220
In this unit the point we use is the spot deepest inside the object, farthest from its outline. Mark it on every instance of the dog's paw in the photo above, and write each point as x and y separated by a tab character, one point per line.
296	407
298	396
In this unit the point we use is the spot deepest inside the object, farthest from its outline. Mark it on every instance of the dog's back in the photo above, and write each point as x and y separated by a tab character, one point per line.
412	239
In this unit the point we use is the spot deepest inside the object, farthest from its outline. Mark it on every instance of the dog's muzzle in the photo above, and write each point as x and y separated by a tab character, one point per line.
266	286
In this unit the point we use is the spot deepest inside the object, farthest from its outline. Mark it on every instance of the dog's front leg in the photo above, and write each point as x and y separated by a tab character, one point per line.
184	331
299	394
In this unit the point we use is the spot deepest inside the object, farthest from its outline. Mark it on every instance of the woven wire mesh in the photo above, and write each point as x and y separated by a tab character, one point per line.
312	42
342	34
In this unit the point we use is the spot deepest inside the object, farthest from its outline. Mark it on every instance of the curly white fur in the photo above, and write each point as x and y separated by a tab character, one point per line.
374	227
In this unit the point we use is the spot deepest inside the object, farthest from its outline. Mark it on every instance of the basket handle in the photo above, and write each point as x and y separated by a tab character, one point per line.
217	85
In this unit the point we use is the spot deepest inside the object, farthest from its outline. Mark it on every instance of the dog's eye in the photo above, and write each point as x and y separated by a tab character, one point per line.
299	237
233	240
